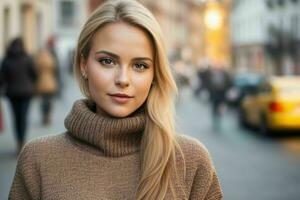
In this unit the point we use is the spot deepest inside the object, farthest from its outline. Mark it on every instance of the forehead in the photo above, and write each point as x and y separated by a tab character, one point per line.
123	39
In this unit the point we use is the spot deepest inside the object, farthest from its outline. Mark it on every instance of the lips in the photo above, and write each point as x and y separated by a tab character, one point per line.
121	95
120	98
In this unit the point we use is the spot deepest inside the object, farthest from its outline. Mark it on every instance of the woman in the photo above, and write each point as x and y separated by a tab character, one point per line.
18	78
120	141
46	83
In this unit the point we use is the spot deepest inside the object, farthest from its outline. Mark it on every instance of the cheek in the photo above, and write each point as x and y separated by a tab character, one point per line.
99	79
143	85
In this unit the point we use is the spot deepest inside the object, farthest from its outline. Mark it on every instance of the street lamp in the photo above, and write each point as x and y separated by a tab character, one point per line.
216	37
213	19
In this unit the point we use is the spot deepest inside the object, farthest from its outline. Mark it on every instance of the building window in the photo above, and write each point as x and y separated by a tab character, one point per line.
280	2
67	13
294	25
270	4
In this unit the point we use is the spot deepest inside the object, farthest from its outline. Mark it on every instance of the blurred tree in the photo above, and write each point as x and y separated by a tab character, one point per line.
281	43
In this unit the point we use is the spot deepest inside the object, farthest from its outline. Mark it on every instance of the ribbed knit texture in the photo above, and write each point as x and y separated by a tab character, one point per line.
99	158
114	136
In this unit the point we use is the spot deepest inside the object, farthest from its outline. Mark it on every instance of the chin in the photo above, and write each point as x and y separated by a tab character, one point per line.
119	113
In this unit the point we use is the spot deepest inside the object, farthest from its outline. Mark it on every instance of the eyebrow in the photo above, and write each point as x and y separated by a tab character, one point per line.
118	57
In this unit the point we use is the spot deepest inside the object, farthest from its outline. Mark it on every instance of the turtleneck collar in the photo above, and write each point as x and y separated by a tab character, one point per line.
113	136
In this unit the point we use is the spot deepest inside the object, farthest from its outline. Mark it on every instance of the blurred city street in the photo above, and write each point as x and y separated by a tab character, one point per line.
249	166
236	63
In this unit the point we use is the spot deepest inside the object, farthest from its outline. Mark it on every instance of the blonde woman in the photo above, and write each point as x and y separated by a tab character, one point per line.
120	142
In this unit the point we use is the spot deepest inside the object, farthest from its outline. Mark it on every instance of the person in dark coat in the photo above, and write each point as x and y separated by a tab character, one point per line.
218	82
18	78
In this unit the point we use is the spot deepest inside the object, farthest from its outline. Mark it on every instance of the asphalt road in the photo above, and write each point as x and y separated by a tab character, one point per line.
249	166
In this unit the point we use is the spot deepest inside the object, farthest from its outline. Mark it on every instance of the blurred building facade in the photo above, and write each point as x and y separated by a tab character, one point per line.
284	35
196	31
37	21
212	26
29	19
93	4
172	17
69	17
265	36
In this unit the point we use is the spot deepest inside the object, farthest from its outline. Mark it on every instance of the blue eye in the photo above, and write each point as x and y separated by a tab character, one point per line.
106	61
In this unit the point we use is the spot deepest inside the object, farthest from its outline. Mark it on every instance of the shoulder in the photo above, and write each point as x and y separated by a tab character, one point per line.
44	145
200	175
192	146
35	152
194	152
45	140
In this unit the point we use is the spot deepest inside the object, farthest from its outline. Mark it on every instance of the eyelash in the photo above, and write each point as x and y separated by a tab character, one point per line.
103	60
145	66
112	62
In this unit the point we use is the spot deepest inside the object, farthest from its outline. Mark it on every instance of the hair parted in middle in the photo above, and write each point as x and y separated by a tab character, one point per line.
158	143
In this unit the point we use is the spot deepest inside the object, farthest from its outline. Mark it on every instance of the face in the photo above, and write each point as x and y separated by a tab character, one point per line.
119	69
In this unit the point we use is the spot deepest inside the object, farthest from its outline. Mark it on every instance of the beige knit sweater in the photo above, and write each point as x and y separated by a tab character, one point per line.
98	158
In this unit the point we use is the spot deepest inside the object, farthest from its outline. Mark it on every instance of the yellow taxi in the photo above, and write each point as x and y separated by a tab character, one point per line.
274	106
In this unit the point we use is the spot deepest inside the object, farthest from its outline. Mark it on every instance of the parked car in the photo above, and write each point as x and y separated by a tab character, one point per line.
274	106
242	85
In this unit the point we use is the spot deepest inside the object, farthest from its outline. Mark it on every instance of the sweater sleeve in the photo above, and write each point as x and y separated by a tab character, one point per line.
214	191
206	182
26	183
206	185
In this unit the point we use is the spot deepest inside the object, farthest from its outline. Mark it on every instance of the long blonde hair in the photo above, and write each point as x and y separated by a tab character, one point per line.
158	143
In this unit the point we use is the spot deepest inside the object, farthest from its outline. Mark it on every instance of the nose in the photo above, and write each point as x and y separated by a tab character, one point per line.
122	77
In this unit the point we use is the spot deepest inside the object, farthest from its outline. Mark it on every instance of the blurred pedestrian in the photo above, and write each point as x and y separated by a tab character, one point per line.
202	80
120	141
18	78
51	46
218	85
71	55
1	117
46	83
199	85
